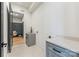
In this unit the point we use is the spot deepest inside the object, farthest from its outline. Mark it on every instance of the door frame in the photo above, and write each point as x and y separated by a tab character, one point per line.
10	26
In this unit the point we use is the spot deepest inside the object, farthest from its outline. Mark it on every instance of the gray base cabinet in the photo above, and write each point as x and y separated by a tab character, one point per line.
30	39
53	50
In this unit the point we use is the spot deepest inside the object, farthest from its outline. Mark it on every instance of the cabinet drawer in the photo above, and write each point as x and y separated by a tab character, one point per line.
52	54
60	50
55	47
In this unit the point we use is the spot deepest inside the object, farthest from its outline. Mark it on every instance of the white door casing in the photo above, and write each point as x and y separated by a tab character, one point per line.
5	27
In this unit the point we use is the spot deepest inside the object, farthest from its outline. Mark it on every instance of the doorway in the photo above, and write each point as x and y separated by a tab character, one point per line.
15	29
18	25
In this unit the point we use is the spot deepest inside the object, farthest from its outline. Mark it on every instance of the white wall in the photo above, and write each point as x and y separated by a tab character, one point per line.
55	19
26	19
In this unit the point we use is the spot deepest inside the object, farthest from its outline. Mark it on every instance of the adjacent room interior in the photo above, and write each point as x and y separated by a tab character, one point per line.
18	28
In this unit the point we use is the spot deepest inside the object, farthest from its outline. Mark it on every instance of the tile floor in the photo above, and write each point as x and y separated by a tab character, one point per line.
25	51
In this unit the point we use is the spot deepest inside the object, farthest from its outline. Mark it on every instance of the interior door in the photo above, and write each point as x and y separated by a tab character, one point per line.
1	37
3	28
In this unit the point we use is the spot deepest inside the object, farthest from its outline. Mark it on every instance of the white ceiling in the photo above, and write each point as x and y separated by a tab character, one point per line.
31	6
23	4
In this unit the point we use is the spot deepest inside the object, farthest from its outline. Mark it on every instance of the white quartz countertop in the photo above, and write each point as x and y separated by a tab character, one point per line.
66	43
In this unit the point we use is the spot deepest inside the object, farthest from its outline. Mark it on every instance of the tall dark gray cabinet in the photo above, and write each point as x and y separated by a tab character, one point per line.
30	39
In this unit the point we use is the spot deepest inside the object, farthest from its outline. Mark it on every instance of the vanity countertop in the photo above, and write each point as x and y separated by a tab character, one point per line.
66	43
